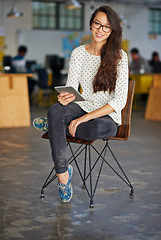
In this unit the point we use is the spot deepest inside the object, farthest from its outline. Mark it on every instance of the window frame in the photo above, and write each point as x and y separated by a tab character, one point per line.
58	18
152	20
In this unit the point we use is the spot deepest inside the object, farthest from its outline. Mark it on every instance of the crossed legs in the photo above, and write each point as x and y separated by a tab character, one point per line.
59	118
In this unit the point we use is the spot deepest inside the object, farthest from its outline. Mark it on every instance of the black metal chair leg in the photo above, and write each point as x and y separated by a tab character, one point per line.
132	192
46	183
90	179
128	181
51	178
90	189
99	173
125	180
91	206
85	162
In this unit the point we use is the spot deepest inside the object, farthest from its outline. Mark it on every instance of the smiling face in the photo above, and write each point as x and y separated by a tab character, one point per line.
100	28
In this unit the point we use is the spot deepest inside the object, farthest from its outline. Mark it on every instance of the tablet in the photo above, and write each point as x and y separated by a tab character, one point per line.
78	96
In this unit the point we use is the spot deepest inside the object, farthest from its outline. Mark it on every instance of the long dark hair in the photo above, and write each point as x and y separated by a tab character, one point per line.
106	76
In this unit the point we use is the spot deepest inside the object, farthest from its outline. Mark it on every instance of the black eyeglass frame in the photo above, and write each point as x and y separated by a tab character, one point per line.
100	25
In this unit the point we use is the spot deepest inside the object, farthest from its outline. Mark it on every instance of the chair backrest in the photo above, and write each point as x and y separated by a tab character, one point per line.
157	67
123	132
42	78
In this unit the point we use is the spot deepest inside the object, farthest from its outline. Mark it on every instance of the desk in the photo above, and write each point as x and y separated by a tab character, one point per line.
157	80
14	100
153	107
143	84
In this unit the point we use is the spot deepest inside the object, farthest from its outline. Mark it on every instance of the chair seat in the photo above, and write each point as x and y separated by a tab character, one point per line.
71	139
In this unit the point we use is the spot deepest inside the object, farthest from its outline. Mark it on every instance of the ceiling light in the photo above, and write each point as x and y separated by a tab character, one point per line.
72	4
14	13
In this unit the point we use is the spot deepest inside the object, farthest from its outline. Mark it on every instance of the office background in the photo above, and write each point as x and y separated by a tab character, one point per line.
41	42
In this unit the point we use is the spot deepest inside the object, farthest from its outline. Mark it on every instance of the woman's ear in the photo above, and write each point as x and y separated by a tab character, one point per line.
90	28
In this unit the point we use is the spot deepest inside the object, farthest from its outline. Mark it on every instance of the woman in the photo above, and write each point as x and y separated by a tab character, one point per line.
101	67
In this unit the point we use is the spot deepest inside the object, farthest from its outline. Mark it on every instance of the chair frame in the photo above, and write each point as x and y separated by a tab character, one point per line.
123	133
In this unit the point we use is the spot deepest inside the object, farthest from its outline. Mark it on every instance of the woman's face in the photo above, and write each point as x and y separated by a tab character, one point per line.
100	28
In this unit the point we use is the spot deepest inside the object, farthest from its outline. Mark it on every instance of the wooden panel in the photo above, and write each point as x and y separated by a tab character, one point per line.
123	132
153	107
2	43
14	101
157	80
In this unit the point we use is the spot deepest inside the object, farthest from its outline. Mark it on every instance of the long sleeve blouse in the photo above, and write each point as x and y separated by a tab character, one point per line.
83	67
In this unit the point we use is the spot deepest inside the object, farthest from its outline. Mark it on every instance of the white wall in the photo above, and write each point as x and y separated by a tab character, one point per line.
18	31
137	17
13	25
138	33
41	43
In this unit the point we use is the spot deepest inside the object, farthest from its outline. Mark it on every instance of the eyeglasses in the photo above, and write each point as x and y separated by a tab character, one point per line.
97	25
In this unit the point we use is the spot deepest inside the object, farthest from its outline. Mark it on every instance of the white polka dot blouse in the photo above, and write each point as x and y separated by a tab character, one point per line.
83	66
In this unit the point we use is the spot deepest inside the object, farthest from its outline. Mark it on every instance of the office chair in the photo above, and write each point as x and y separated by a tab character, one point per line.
48	98
157	67
85	146
55	63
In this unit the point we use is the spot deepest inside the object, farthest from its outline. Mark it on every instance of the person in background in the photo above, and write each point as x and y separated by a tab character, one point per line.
19	62
19	66
138	64
155	58
101	68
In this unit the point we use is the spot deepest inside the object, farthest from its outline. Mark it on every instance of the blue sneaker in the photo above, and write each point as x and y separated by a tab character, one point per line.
66	191
41	123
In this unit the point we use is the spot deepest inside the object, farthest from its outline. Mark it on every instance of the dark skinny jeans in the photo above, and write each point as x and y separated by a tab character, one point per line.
59	118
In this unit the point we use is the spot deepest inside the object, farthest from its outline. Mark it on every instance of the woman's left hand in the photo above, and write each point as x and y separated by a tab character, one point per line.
106	109
74	124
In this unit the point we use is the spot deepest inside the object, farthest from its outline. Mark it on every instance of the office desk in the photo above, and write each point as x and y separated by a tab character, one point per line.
143	84
157	80
14	100
153	107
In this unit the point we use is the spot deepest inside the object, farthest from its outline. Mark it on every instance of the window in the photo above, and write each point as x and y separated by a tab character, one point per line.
53	15
154	21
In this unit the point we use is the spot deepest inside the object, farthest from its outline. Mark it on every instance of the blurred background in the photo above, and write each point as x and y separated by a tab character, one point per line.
50	30
36	41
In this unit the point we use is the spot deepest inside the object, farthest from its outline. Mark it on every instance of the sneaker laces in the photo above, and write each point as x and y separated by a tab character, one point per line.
64	187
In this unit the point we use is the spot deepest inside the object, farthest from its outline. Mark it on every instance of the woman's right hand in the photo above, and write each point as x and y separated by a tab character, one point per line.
65	98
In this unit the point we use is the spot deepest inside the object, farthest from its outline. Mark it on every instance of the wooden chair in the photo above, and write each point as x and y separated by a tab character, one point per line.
86	146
